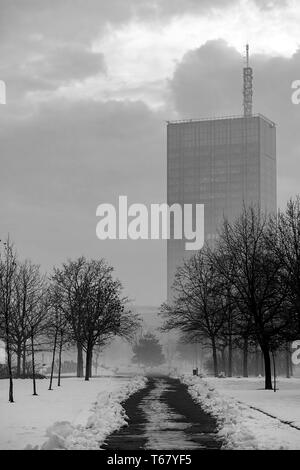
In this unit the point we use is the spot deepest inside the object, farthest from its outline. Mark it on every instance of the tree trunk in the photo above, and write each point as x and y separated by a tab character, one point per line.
19	359
291	365
88	363
24	360
268	373
215	359
59	359
274	370
53	361
96	363
91	365
230	357
9	367
223	356
262	363
79	360
287	360
256	360
245	358
33	365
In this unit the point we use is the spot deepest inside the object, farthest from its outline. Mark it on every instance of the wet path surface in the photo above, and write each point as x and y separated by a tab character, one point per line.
164	416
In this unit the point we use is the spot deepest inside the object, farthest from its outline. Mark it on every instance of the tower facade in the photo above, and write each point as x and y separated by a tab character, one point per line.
222	163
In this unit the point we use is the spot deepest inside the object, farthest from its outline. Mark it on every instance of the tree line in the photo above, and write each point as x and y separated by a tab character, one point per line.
79	305
244	290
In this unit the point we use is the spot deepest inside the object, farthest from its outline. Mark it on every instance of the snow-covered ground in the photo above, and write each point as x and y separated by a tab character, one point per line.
78	414
241	426
283	404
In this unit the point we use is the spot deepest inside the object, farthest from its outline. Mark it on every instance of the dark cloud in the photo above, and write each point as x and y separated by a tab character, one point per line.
68	63
69	144
67	158
51	69
208	82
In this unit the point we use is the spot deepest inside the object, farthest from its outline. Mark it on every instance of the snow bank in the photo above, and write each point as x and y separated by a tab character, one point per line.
106	416
27	420
240	426
284	404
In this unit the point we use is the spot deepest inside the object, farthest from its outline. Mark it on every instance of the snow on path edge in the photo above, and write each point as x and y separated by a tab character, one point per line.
107	415
240	426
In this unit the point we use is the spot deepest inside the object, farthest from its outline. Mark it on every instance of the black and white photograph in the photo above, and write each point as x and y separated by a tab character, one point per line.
150	228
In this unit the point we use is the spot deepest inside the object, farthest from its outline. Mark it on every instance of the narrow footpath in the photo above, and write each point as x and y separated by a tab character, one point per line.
164	416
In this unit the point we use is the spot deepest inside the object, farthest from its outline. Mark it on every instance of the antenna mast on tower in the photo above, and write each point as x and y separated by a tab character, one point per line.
248	86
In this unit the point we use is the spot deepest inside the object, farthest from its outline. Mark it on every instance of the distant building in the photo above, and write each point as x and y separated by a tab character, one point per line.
221	163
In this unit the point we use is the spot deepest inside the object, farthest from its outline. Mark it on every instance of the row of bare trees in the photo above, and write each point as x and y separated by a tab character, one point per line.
23	311
91	302
80	304
245	290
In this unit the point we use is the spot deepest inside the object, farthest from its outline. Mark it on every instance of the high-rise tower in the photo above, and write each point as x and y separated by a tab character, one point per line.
222	163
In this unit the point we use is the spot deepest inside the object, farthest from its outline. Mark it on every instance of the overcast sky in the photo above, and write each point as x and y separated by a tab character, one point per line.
90	84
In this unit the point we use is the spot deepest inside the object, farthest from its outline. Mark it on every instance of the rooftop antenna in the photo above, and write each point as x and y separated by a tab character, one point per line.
248	86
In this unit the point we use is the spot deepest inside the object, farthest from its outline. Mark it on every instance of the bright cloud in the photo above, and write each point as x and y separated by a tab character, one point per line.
141	55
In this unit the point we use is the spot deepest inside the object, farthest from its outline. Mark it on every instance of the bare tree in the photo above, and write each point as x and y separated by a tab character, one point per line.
198	308
59	330
30	313
19	326
105	315
7	273
284	243
53	357
71	283
93	304
255	275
